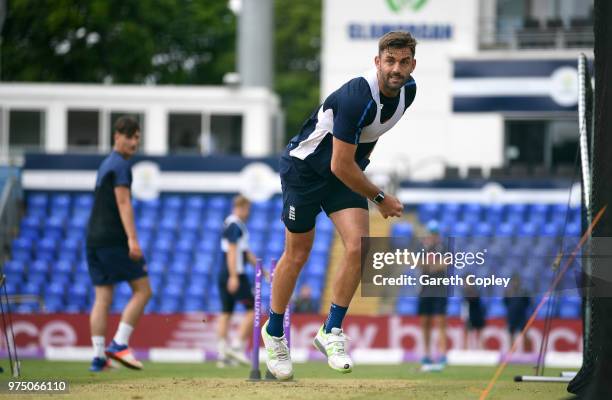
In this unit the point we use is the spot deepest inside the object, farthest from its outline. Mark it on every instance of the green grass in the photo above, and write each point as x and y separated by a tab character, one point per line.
313	380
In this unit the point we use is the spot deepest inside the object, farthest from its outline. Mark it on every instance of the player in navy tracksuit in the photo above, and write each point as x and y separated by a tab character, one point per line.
113	252
233	282
322	168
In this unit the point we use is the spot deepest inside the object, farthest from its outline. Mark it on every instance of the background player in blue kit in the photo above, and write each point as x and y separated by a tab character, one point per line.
433	299
113	251
322	168
234	285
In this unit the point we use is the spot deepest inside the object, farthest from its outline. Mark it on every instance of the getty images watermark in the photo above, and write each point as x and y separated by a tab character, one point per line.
434	268
483	266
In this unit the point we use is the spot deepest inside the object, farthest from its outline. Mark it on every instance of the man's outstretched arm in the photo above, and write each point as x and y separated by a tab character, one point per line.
345	168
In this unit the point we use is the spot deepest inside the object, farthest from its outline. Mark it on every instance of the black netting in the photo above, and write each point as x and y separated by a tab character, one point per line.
594	379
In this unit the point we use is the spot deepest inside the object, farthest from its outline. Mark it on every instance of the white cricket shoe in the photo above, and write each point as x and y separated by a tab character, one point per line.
279	359
333	346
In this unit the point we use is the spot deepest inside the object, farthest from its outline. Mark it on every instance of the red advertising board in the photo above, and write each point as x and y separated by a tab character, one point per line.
34	332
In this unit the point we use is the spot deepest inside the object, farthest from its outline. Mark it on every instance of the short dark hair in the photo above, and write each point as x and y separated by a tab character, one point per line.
127	125
397	40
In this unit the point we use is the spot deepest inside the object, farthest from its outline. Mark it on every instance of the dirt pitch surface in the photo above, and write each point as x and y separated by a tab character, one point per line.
313	381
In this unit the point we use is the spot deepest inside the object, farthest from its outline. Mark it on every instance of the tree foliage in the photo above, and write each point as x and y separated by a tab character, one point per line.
119	41
157	42
297	59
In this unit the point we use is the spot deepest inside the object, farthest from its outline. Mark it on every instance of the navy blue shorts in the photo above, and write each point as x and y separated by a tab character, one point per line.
243	295
111	265
432	305
300	208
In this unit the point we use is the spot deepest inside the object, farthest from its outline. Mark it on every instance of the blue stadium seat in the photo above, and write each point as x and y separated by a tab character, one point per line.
193	305
505	229
119	303
573	229
160	255
178	268
428	211
169	306
551	229
37	277
27	308
495	308
60	200
219	203
38	266
31	288
483	229
213	304
195	202
83	200
12	287
163	245
175	280
207	245
169	223
202	268
460	229
61	267
189	223
454	306
48	243
53	303
23	244
29	233
407	305
151	306
402	229
37	200
570	308
31	222
196	290
55	288
145	224
528	229
156	267
24	256
185	245
78	221
15	267
152	205
174	202
258	223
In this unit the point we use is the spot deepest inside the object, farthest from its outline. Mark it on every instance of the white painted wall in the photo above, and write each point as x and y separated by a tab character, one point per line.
257	105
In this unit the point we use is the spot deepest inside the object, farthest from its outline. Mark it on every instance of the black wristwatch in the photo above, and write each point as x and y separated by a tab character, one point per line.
379	197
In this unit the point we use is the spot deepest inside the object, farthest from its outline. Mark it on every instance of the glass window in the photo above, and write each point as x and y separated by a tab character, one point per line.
226	134
184	131
525	142
84	129
548	143
26	129
115	115
564	139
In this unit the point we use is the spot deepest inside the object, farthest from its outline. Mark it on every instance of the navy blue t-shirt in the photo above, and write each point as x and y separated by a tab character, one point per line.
353	109
232	233
105	228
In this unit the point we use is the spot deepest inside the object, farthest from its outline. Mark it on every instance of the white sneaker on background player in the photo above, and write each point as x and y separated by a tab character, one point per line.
279	359
237	353
333	346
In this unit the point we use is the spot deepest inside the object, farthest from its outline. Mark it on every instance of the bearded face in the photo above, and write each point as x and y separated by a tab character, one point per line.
394	67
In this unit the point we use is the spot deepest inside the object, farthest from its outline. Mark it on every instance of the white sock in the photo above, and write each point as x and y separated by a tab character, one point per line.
222	349
238	344
123	333
98	346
